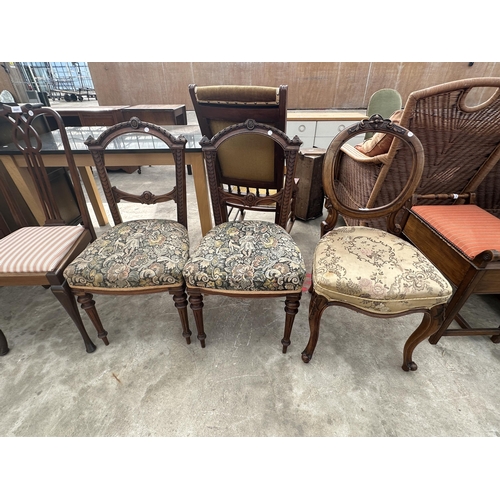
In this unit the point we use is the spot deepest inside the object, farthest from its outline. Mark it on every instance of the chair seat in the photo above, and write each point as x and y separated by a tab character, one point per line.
37	249
142	253
246	256
376	271
468	227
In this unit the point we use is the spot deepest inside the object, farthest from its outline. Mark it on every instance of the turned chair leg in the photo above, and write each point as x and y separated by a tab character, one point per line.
65	296
292	303
180	300
4	347
88	305
430	324
196	303
316	307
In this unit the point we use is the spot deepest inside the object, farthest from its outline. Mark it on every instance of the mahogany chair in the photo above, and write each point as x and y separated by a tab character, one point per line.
457	133
249	258
220	106
369	270
463	242
136	256
38	255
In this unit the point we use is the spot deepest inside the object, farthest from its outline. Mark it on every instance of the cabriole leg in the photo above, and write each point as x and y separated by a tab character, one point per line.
65	296
316	307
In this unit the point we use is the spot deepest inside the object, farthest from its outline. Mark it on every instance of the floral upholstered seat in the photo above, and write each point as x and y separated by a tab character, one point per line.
246	256
143	253
376	271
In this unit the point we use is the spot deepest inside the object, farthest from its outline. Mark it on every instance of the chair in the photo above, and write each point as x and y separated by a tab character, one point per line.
249	258
459	140
369	270
218	107
137	256
463	242
37	255
383	102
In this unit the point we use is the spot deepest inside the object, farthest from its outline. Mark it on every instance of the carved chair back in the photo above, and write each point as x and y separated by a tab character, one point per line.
140	129
246	159
221	198
28	125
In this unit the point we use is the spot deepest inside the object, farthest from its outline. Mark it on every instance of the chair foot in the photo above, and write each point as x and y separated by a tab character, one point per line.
306	357
4	347
292	303
495	339
411	366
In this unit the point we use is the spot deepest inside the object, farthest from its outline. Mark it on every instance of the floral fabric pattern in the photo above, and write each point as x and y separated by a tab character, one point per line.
376	271
246	256
133	254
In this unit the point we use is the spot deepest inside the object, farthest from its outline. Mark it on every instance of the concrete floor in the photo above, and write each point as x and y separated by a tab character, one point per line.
149	382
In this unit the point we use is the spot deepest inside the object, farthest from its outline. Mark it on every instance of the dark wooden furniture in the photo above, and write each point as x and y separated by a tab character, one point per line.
164	114
38	255
249	258
458	137
463	241
248	158
309	197
140	256
368	270
106	116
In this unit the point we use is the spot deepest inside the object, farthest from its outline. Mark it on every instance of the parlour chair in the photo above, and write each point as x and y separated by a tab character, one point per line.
459	130
220	106
31	254
369	270
249	258
383	102
135	256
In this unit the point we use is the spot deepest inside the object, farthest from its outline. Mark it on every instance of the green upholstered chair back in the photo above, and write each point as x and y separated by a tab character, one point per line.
383	102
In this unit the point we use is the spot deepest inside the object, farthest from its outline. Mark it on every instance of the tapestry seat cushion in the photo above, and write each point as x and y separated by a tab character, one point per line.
246	256
142	253
376	271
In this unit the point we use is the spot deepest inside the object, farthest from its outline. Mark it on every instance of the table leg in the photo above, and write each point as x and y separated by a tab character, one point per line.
93	194
26	187
201	188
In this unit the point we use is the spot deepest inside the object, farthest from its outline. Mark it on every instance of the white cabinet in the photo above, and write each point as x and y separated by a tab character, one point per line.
318	128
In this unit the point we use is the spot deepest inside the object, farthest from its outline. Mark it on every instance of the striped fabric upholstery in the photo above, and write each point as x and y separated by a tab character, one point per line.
468	227
36	249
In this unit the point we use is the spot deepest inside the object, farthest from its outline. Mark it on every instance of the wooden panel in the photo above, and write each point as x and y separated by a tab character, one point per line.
311	85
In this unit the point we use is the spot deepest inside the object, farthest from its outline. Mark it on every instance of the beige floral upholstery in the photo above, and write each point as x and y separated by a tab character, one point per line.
376	271
246	256
142	253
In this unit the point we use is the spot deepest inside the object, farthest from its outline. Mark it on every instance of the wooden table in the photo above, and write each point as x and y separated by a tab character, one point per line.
78	116
130	153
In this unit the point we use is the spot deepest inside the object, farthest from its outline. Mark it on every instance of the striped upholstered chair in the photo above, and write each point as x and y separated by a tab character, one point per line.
38	254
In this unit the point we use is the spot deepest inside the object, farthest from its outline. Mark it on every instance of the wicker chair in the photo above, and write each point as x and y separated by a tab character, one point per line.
461	144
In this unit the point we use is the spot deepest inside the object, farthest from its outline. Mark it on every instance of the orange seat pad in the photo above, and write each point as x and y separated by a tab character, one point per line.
468	227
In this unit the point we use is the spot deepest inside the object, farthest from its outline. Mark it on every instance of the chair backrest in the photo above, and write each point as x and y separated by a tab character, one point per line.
383	102
267	135
405	141
218	107
461	141
139	130
28	129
